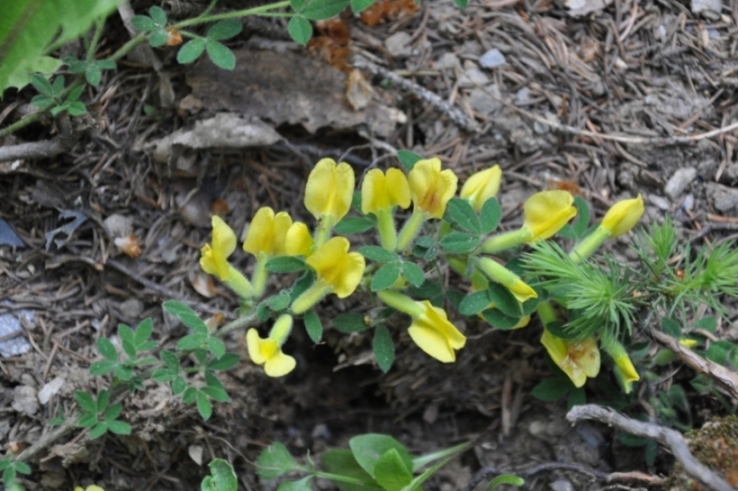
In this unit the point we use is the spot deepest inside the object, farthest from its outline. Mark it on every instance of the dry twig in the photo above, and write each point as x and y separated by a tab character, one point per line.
665	436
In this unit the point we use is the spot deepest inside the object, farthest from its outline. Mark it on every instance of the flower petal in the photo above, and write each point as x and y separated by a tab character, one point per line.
253	344
298	241
439	320
430	188
374	196
335	266
329	189
432	342
398	188
547	212
260	233
282	223
482	186
352	271
279	365
623	216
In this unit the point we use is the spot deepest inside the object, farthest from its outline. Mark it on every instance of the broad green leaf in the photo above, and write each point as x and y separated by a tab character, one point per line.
9	475
158	38
143	331
275	461
384	348
359	6
113	412
88	420
127	340
671	327
93	74
86	402
220	55
461	3
103	367
413	273
350	225
119	427
408	159
285	264
123	372
103	398
143	23
342	462
190	51
708	323
313	326
216	394
378	254
323	9
505	479
212	380
497	319
28	28
45	65
577	397
107	349
58	86
279	302
170	360
461	213
490	215
163	375
76	109
391	472
98	430
222	477
178	385
552	389
224	29
216	347
299	485
188	316
204	406
474	303
297	5
459	243
158	15
41	84
369	448
225	362
386	276
192	341
504	300
348	323
22	468
581	224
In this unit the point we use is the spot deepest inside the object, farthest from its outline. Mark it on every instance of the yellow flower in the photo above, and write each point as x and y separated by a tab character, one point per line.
91	487
624	369
430	188
430	328
214	258
577	360
482	186
381	192
500	274
268	352
623	216
267	233
338	271
329	190
299	242
547	212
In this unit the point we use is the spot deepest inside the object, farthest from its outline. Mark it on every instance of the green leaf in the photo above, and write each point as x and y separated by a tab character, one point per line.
509	479
212	380
671	327
461	3
474	303
127	339
188	316
163	375
459	243
88	420
192	341
461	213
552	389
343	463
98	430
297	5
93	74
408	159
285	264
76	109
378	254
189	395
708	323
369	448
204	406
275	461
384	348
216	394
178	385
323	9
119	427
22	468
719	351
313	326
386	276
279	302
41	84
158	15
580	226
391	471
299	485
225	362
499	320
106	64
577	397
170	360
113	412
86	402
158	38
504	300
220	55
143	331
351	225
359	6
216	347
42	100
348	323
9	475
143	23
222	477
103	398
124	372
224	29
429	290
107	349
301	31
190	51
490	215
413	273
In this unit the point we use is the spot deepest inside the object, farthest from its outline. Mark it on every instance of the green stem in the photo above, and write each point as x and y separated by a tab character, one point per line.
310	297
95	39
590	244
323	232
506	240
239	323
258	279
233	15
239	283
410	229
546	312
386	229
401	302
339	478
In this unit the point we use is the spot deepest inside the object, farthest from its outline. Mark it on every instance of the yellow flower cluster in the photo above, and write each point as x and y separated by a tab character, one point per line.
328	197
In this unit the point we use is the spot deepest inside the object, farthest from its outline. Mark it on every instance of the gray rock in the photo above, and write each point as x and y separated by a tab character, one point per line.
492	59
723	198
447	61
561	485
485	100
398	45
473	76
25	400
660	202
679	182
708	8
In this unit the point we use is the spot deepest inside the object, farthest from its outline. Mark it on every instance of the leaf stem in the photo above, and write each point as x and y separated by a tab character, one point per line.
233	15
99	25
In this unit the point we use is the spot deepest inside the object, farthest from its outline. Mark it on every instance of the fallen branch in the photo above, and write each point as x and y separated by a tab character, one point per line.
43	149
726	379
671	439
453	113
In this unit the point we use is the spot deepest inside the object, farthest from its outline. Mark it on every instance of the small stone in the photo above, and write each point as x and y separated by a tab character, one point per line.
25	400
659	201
522	96
708	8
447	61
473	76
561	485
679	182
724	198
132	308
398	44
118	225
492	59
485	100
